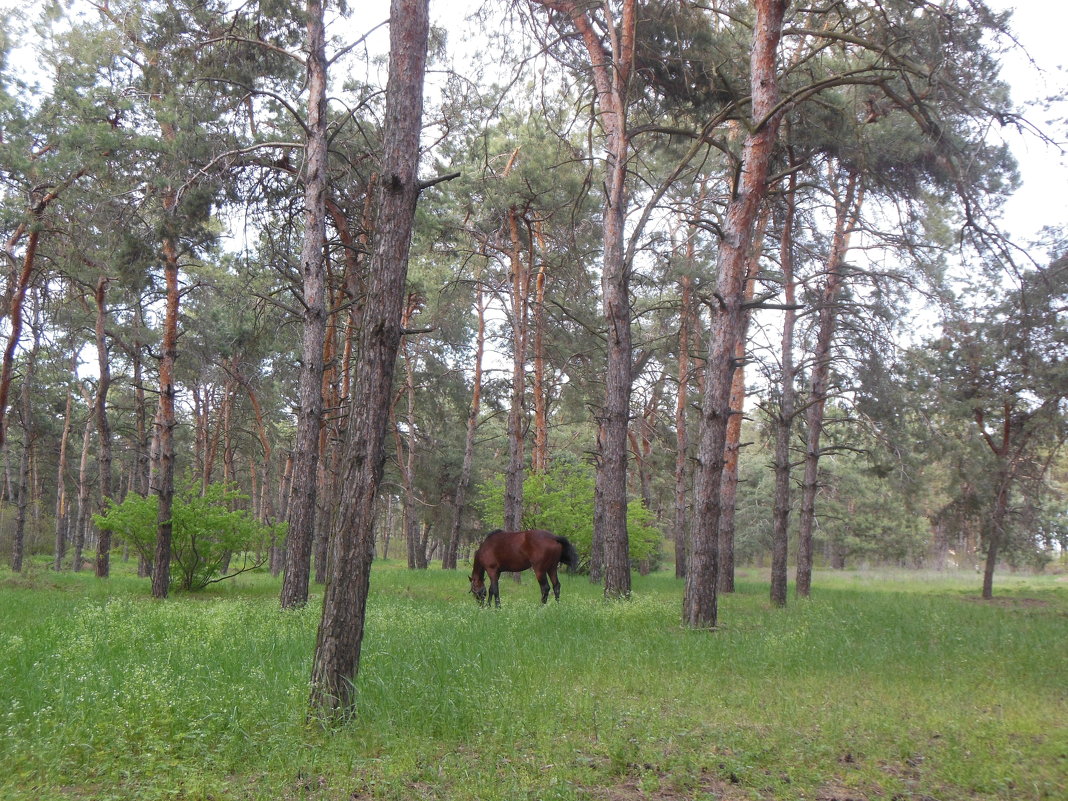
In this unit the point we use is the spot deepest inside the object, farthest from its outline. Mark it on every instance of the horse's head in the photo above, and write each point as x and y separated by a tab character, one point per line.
478	589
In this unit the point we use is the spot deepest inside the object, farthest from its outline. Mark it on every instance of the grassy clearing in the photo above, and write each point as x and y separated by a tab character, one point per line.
895	686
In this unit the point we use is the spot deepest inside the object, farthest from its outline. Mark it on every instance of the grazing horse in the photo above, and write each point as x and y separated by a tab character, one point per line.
515	551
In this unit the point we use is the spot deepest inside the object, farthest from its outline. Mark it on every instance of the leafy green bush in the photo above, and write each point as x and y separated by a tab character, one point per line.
206	533
561	501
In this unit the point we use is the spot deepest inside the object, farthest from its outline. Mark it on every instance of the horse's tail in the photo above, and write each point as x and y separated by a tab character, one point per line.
569	556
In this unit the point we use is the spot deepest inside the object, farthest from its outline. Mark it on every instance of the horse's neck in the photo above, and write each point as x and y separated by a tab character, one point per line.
477	570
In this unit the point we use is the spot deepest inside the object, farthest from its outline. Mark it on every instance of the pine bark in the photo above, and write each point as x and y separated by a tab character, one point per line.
302	507
103	425
700	602
783	417
340	635
680	528
514	472
847	210
166	422
62	503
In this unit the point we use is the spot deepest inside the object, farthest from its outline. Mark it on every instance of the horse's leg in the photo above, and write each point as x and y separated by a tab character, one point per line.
556	582
543	582
495	590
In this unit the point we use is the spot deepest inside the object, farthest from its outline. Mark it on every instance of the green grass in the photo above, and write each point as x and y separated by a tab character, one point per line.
882	686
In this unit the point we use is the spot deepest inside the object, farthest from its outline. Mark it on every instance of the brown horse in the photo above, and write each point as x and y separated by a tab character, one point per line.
516	551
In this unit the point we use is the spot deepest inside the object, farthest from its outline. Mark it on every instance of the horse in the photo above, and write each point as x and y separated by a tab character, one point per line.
515	551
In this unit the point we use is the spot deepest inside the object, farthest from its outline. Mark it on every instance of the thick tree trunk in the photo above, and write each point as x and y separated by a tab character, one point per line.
783	418
103	425
847	210
610	513
302	505
340	635
448	559
700	599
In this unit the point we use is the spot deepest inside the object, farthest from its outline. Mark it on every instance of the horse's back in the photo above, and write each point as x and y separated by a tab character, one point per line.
515	551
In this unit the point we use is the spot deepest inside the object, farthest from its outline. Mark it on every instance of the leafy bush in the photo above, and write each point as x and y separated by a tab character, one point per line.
561	501
205	533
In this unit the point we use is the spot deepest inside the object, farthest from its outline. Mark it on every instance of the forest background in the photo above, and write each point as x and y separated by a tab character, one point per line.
658	215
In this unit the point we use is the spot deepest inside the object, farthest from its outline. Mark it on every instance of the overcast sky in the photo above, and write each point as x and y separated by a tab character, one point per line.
1039	26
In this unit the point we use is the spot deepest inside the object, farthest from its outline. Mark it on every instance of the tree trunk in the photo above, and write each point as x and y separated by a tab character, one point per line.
103	426
700	600
847	210
309	416
448	559
18	297
729	483
82	516
783	419
681	526
513	476
539	457
166	422
996	527
340	636
62	504
29	434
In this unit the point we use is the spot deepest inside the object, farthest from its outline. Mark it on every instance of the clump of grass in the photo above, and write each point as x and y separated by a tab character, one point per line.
881	687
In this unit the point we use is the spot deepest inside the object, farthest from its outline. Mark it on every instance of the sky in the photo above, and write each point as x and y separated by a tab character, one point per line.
1034	75
1042	200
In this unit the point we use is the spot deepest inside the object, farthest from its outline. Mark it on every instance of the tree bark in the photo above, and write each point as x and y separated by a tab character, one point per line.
729	484
29	434
700	600
340	635
847	211
680	529
514	473
62	504
103	425
783	418
309	416
166	421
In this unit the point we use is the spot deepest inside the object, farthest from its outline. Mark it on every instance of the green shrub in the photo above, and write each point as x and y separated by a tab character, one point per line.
206	533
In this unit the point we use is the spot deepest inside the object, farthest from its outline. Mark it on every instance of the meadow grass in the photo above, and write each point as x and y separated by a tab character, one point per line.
882	686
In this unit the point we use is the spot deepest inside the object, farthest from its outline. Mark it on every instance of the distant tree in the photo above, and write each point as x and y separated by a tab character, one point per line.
999	376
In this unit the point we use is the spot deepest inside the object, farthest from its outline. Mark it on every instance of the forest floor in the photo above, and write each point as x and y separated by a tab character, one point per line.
884	685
